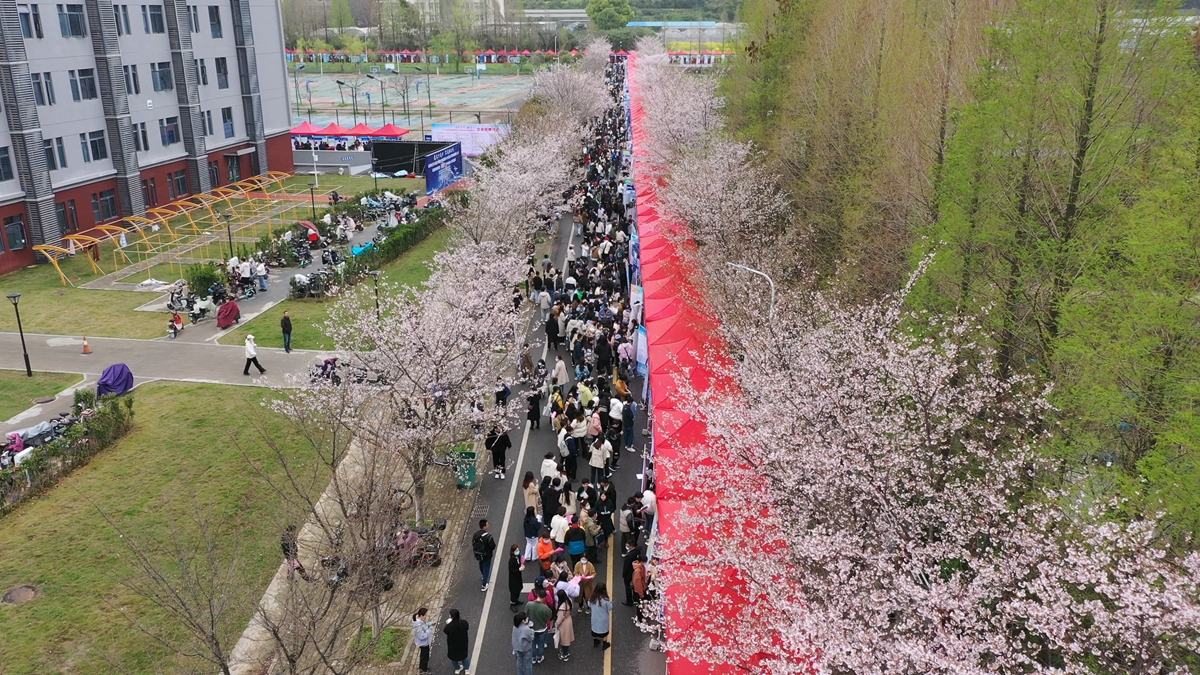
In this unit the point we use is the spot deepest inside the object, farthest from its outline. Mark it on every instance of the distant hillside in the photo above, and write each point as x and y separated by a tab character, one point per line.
660	10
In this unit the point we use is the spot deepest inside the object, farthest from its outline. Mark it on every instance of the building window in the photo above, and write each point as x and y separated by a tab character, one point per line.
121	14
179	178
194	18
169	130
83	83
141	140
214	20
152	19
214	173
227	121
56	153
203	72
104	205
71	21
150	192
14	232
31	20
222	72
6	172
68	219
93	145
233	167
206	117
132	84
160	75
43	88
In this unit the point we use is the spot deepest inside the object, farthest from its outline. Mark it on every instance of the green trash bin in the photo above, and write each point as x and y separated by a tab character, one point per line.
466	468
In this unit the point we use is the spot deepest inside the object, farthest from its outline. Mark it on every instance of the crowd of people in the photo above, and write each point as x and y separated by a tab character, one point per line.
572	518
340	146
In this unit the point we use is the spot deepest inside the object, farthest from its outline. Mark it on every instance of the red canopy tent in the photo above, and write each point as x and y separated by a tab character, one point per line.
361	129
389	130
685	345
526	53
334	129
306	129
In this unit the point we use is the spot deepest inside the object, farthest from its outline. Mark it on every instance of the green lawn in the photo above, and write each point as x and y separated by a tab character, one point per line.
17	390
47	306
307	315
179	460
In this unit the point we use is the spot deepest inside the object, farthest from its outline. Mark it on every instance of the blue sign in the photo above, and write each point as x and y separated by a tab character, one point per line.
443	168
428	137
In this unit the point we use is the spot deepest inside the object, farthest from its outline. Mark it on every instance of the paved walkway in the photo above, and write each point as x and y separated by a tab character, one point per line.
148	359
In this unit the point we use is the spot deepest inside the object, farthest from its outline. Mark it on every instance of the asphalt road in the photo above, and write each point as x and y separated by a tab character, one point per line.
492	648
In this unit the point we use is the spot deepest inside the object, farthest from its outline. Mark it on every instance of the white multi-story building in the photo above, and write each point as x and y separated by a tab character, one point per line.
110	109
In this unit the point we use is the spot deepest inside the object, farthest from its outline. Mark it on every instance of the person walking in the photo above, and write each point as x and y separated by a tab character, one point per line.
529	487
522	643
516	565
561	377
484	548
586	572
291	554
564	626
422	638
639	584
499	443
601	452
540	617
285	325
456	643
260	271
252	357
600	607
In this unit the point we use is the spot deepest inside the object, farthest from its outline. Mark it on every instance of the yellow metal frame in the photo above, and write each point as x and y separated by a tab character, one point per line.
53	253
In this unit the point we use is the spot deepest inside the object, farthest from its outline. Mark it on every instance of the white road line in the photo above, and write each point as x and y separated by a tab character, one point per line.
512	497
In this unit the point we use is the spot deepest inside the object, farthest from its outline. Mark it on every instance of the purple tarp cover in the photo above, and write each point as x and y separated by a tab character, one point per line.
116	380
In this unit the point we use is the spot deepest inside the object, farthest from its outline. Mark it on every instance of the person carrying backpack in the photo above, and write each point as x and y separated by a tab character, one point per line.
484	548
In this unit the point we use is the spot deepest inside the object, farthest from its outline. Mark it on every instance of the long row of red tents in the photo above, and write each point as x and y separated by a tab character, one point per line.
477	52
388	130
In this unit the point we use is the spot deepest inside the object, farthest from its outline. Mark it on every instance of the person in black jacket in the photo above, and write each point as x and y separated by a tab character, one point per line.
498	442
516	565
631	554
456	643
285	324
484	548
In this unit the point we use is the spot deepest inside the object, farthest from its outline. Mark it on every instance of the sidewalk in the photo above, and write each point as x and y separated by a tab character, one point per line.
148	359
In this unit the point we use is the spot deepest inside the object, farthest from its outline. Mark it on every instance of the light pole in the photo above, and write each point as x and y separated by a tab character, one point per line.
296	85
312	199
382	91
771	315
228	232
14	298
428	94
353	98
376	273
374	173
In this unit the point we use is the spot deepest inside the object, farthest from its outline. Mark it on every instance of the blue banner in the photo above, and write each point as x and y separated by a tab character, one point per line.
443	168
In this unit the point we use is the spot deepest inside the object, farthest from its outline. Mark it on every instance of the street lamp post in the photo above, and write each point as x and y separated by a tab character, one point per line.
375	174
771	314
312	199
296	85
353	98
428	94
228	232
382	91
376	273
14	298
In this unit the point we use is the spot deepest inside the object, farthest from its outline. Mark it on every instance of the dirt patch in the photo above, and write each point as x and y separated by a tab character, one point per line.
19	595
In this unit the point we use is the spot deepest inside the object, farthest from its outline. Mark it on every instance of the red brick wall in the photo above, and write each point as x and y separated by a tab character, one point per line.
279	153
11	261
161	175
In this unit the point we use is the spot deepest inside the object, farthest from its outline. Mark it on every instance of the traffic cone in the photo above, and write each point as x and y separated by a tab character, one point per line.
86	348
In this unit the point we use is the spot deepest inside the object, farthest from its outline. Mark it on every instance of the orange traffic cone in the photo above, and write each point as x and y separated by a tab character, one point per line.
86	348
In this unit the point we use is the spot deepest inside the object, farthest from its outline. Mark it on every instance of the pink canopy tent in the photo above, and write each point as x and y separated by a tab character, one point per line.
334	129
306	129
389	130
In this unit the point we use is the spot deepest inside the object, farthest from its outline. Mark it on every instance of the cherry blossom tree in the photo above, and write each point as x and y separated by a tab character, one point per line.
570	93
595	56
902	519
